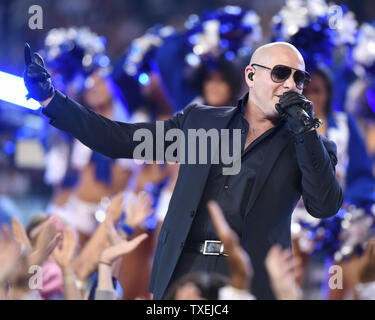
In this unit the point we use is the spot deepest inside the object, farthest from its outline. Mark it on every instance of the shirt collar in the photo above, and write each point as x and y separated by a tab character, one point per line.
241	104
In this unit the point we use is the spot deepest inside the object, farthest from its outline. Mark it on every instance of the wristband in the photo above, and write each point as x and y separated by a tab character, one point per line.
106	263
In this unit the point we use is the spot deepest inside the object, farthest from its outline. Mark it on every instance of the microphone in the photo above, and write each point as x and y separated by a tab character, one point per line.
294	107
298	112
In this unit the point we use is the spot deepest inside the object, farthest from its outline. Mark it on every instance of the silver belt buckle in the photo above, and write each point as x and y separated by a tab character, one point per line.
206	242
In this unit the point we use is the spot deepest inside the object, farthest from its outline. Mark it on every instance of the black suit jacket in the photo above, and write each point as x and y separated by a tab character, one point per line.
292	167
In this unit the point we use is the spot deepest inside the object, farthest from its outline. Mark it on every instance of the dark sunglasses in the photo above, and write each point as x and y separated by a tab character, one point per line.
280	73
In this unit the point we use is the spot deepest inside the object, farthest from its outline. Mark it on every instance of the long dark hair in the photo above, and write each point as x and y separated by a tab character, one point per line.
227	69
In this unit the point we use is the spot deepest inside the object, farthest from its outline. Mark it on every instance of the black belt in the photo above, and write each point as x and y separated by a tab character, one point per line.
208	247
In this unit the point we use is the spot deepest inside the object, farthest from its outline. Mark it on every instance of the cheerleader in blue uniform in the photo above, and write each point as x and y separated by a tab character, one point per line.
354	169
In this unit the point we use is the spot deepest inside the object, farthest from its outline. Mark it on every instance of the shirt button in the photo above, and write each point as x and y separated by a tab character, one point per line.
301	140
226	187
192	213
181	245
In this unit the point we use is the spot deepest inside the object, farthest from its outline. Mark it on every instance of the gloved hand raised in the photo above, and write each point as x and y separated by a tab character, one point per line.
298	111
36	77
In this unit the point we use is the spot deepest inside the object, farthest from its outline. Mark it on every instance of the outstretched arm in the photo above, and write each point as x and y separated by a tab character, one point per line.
110	138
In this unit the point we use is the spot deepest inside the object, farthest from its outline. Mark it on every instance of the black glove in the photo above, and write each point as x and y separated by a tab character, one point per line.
36	77
298	112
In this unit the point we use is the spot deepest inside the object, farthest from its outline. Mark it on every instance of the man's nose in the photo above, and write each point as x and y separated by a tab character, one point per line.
290	83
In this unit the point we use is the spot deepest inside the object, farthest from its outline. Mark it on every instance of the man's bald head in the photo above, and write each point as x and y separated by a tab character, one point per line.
264	92
277	53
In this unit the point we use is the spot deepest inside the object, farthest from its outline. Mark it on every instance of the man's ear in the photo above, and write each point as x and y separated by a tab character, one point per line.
249	76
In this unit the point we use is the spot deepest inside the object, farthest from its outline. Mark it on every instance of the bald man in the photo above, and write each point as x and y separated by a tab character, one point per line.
281	154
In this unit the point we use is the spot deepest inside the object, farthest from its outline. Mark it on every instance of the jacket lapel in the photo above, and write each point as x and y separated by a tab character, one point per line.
198	173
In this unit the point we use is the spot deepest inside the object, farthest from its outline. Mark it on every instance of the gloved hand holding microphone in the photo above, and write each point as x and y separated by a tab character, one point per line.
298	112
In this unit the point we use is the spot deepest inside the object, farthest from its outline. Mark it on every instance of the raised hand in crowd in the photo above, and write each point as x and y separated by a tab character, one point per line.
283	270
9	255
114	210
110	254
64	254
20	236
49	235
241	271
14	269
108	257
112	235
138	208
87	260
